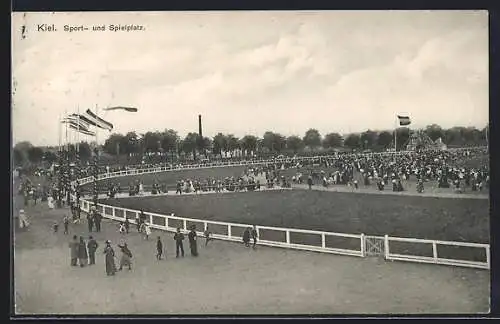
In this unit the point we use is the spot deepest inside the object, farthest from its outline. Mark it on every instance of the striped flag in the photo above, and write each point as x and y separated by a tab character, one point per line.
75	124
404	120
129	109
97	121
83	131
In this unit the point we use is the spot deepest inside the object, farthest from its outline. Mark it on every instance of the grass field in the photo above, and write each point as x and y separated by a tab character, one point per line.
465	220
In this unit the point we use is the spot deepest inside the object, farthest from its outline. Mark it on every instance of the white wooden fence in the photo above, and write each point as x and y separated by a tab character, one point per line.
352	244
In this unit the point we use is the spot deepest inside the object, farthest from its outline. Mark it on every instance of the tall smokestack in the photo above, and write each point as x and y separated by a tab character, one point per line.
199	127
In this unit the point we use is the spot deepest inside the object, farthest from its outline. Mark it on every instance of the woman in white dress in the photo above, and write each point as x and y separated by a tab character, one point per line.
50	202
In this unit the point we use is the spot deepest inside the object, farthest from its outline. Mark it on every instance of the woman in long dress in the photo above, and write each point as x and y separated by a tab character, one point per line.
109	259
82	253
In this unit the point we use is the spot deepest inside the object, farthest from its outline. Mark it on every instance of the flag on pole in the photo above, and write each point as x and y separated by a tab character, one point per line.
97	121
129	109
404	120
80	130
75	124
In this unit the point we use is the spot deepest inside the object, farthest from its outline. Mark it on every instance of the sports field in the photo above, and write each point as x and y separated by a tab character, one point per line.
465	220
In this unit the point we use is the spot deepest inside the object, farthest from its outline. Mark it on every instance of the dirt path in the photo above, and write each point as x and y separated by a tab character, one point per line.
227	278
368	190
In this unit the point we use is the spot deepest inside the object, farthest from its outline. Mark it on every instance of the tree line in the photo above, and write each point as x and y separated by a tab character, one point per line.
169	142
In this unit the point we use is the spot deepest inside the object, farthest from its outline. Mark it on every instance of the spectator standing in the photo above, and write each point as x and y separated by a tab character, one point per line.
66	224
246	237
192	241
109	259
254	236
159	248
179	237
82	252
92	248
73	246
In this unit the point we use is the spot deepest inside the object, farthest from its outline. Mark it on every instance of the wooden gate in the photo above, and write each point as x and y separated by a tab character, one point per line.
374	245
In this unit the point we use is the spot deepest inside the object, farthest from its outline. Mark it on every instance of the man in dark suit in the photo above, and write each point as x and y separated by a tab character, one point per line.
179	237
92	248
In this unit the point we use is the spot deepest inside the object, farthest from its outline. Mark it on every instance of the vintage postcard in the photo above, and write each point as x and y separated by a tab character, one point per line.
251	163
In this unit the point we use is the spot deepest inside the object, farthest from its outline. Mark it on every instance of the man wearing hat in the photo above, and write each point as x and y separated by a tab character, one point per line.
92	247
179	237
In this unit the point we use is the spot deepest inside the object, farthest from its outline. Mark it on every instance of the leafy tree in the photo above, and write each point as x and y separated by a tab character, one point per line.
190	143
219	143
268	140
152	141
332	140
132	143
274	142
294	143
352	141
402	137
249	144
312	138
113	143
18	157
279	142
384	139
169	140
85	151
368	139
206	145
23	148
35	154
434	132
50	156
232	144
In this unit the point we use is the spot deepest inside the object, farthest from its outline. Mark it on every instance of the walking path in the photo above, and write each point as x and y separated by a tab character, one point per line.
227	278
368	190
336	188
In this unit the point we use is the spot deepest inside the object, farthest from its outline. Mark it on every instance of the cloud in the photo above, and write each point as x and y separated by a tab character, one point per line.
335	71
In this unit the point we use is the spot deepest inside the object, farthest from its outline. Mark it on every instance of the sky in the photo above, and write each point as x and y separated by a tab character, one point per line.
251	72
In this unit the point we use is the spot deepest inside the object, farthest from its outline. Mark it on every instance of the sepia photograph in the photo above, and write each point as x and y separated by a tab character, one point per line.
250	163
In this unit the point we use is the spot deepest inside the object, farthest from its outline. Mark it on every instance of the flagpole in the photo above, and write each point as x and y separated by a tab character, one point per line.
395	138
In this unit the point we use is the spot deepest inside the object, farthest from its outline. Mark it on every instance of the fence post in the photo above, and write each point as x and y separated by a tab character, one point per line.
205	226
287	237
113	211
229	230
386	247
488	256
363	248
150	219
323	245
184	224
434	251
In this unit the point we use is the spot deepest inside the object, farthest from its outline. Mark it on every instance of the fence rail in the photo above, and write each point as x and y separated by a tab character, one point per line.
358	248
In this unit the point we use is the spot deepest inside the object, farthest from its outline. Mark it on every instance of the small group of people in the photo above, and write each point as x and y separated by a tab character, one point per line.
192	236
82	252
94	218
142	226
250	232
